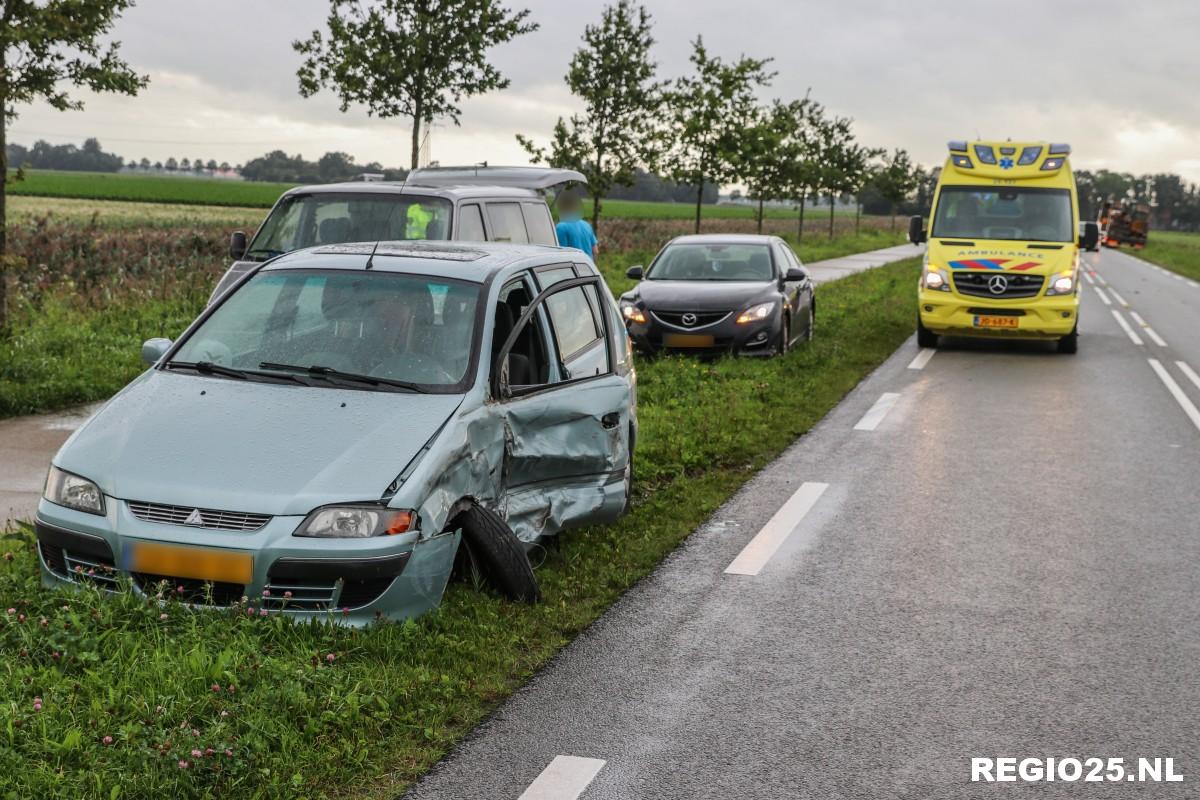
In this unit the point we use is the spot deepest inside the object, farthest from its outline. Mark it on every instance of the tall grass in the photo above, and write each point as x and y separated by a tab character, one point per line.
1179	252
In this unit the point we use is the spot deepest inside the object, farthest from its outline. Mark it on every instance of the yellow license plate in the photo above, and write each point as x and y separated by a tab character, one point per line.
996	322
687	340
198	563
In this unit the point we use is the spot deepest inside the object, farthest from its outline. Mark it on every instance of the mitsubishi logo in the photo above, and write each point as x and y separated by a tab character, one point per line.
194	518
688	319
997	284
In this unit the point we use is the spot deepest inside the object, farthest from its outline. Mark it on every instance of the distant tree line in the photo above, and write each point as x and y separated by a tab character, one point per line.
1174	203
43	155
335	166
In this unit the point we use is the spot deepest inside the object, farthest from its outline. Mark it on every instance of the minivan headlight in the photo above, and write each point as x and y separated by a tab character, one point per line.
356	522
1061	283
66	489
755	313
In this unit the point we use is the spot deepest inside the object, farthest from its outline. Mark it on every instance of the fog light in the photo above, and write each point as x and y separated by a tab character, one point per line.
761	336
928	309
1066	314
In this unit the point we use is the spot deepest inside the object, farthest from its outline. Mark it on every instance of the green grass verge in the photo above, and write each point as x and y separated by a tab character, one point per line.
129	691
1179	252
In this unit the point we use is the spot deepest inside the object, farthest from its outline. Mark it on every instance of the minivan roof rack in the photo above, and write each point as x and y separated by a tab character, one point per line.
539	178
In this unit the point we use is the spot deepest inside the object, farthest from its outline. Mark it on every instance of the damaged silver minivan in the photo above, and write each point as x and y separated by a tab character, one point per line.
330	433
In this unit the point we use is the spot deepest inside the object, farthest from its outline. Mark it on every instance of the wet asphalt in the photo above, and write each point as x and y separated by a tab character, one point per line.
1008	564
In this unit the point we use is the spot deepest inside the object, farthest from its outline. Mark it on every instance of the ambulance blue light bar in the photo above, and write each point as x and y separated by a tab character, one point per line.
957	146
1060	149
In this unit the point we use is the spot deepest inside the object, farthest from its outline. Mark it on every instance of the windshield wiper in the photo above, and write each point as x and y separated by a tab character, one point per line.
330	372
209	368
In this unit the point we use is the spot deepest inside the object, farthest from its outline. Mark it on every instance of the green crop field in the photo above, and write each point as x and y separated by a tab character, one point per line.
219	192
1175	251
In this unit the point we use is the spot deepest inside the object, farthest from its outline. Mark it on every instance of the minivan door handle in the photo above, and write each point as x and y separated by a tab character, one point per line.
611	420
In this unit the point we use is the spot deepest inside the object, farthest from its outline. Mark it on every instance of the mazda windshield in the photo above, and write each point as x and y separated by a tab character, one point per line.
304	220
382	331
713	262
1025	214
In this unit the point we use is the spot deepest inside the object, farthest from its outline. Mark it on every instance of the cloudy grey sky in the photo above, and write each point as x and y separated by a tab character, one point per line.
1118	80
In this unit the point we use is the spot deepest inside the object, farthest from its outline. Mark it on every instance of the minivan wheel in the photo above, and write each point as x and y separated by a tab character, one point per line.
1069	344
925	337
498	554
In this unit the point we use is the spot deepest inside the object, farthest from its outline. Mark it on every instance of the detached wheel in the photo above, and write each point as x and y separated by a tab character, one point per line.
925	337
498	554
1069	344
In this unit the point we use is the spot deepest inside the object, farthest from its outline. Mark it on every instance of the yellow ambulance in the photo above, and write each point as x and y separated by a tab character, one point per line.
1004	242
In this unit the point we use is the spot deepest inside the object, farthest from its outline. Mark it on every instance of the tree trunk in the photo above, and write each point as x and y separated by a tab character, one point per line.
699	200
857	214
893	217
416	142
3	211
760	213
832	205
800	224
596	201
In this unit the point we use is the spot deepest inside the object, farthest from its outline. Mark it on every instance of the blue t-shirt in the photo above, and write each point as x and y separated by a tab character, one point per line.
576	233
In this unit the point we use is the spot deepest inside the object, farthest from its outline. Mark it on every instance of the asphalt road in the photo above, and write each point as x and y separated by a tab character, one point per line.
995	554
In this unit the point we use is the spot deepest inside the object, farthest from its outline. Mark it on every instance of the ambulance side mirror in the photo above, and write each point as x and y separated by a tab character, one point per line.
1090	236
916	229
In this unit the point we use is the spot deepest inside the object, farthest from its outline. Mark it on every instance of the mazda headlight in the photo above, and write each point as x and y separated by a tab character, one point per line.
1061	283
356	522
632	313
72	491
755	313
935	278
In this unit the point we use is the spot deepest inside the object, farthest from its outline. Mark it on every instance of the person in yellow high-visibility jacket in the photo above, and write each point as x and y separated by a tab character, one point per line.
418	221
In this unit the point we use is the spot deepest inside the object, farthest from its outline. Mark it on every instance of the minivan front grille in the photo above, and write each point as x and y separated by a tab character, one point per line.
980	284
200	517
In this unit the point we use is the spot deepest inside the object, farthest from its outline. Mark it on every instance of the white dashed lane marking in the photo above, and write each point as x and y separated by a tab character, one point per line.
922	358
1191	373
875	415
1103	296
1184	401
1154	337
1133	337
564	779
1117	297
766	542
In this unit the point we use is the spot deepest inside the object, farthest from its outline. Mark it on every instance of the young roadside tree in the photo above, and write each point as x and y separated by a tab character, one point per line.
858	169
834	139
804	176
896	179
614	77
409	58
45	48
704	114
768	152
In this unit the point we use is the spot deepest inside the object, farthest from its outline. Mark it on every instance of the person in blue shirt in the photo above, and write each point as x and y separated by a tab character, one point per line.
572	229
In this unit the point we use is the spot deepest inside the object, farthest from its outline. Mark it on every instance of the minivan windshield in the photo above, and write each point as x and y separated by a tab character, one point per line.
1027	214
341	328
304	220
713	262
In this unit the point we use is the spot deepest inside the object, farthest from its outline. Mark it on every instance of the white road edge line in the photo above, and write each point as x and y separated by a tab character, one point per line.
1103	296
766	542
1191	373
1089	279
1154	337
564	778
922	358
877	412
1125	326
1118	297
1186	404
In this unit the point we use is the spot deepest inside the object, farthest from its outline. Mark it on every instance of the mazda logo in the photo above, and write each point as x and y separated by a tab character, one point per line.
997	284
688	319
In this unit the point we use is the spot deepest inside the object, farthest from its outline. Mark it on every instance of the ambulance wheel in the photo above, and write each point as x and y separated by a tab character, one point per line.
925	337
1069	344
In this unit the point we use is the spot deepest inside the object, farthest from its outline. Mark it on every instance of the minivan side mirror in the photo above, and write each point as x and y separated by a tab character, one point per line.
916	229
635	273
1090	236
795	274
237	245
154	349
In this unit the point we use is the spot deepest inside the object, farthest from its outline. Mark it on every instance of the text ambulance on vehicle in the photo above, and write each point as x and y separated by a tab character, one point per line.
1004	242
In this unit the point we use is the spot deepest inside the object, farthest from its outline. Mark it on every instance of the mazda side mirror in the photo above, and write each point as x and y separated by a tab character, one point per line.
634	273
154	349
795	274
237	245
916	229
1090	236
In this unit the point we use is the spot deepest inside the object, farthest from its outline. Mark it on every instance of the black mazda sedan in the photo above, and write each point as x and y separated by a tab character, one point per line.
720	293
